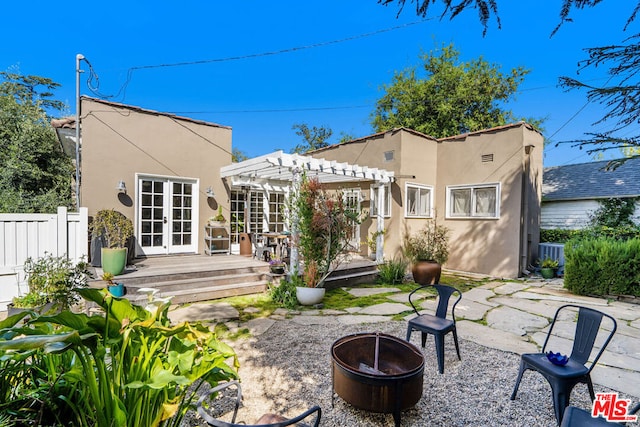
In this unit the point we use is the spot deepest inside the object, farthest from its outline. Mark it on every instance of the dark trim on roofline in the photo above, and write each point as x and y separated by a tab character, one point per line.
152	112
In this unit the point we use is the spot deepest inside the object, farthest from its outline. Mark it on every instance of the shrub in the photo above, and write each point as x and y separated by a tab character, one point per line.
53	280
602	266
392	271
556	235
285	293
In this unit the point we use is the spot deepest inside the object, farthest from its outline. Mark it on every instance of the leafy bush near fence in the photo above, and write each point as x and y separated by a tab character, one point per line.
602	266
556	235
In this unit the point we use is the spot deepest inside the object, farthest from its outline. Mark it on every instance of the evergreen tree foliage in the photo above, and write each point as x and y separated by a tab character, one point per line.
452	97
314	137
35	175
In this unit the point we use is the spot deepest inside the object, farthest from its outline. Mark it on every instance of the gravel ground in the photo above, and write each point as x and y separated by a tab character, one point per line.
288	369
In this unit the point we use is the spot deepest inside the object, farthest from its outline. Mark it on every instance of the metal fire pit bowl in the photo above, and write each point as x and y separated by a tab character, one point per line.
377	372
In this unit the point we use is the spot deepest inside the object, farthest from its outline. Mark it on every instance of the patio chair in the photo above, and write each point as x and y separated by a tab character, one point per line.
576	417
437	325
262	251
562	379
267	420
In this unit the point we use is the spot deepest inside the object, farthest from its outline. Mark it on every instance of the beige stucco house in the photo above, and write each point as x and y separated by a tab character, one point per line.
160	170
170	174
485	186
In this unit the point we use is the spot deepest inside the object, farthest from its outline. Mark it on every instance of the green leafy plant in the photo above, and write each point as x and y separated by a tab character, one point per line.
125	367
284	294
372	240
108	277
219	217
325	224
53	280
430	243
392	271
113	227
549	262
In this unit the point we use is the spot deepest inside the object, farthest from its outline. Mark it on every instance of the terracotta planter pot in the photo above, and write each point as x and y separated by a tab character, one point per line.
309	296
426	272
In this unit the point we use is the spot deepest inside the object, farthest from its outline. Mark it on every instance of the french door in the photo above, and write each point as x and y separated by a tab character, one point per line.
353	199
167	215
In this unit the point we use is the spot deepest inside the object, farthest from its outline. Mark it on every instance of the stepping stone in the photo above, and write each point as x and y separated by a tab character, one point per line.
568	299
353	310
479	295
493	338
515	321
259	326
542	308
403	297
208	312
281	311
349	319
509	288
365	292
314	320
251	310
331	312
471	310
386	308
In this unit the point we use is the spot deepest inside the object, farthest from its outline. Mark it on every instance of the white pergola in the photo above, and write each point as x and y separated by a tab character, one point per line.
282	169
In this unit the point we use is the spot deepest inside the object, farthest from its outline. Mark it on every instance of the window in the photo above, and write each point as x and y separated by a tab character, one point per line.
277	206
373	206
478	201
418	201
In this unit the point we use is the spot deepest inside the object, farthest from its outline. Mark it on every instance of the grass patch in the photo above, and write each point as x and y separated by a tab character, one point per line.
340	299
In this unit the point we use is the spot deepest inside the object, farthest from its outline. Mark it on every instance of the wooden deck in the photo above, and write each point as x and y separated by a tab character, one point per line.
191	278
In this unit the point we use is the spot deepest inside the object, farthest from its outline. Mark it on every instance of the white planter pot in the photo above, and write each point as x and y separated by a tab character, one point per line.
309	296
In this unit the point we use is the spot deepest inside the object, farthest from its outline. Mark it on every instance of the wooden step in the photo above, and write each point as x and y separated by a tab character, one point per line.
204	293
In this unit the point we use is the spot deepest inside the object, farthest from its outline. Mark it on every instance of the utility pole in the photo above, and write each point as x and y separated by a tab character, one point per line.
79	57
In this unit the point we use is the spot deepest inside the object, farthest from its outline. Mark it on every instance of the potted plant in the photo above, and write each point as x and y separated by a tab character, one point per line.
427	249
52	282
115	289
548	267
218	220
115	229
372	243
276	265
325	224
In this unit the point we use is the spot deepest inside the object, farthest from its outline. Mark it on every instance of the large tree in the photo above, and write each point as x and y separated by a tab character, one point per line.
313	137
620	95
35	175
450	97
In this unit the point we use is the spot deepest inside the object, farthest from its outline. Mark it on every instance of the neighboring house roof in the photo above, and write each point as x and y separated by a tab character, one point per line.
591	181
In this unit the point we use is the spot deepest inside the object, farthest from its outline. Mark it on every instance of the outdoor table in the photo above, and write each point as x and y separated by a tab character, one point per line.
276	241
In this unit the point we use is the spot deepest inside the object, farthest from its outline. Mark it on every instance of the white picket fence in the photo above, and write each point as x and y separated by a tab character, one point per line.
25	236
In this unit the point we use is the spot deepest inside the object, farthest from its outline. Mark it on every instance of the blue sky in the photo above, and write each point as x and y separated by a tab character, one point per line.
322	84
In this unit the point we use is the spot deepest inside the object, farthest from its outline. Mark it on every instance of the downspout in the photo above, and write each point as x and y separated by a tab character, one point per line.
524	219
79	57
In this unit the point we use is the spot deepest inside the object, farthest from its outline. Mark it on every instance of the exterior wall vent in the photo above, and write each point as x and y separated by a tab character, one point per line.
486	158
388	156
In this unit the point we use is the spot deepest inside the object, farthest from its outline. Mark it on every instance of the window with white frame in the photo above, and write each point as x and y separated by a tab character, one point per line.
418	201
373	205
473	201
277	205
